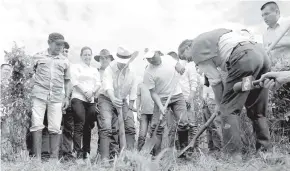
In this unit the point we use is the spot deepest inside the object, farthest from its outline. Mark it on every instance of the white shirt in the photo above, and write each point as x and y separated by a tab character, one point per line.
86	77
128	82
188	81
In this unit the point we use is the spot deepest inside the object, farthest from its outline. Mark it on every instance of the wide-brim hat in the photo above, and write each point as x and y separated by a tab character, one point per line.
103	52
123	55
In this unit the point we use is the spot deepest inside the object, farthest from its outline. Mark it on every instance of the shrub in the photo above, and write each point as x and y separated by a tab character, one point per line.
15	104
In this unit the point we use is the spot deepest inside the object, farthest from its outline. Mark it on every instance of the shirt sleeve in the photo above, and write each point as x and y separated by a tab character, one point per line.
108	79
148	80
210	71
139	90
67	71
74	70
133	90
192	76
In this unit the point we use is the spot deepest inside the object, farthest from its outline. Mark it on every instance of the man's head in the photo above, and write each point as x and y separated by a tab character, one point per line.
153	57
56	43
104	58
270	13
184	50
86	55
173	54
5	71
65	49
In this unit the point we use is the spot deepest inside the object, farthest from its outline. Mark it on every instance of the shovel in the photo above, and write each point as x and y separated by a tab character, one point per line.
149	144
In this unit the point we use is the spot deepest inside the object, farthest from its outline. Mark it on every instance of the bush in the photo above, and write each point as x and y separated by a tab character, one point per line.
15	104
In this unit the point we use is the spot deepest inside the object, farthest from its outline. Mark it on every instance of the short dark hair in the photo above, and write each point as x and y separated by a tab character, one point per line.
85	48
66	45
269	3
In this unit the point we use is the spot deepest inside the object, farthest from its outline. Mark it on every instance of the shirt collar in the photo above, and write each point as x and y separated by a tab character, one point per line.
275	27
115	68
49	55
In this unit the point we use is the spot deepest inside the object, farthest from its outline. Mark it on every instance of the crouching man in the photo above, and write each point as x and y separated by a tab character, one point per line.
161	79
229	51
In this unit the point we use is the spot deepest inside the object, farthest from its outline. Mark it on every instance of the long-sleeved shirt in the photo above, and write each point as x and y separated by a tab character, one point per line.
281	52
87	78
50	75
226	45
188	81
128	83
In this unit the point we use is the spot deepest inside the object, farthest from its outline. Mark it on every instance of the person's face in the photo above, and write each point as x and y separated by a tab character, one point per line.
6	71
186	55
155	60
270	15
104	61
121	65
87	56
55	47
65	52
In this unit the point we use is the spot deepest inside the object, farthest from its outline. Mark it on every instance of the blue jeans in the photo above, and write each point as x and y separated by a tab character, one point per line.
109	129
178	106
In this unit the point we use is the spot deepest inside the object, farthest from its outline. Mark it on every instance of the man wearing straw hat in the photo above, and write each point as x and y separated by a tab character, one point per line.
109	101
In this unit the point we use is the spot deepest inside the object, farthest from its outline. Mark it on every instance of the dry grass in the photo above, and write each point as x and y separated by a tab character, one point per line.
128	160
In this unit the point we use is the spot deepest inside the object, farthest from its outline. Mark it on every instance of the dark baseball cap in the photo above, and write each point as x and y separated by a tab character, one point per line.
56	37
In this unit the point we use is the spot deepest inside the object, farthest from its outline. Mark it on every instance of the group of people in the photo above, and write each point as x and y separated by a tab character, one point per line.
80	95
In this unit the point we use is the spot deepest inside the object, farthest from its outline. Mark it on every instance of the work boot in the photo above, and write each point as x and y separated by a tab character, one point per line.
37	144
54	145
130	141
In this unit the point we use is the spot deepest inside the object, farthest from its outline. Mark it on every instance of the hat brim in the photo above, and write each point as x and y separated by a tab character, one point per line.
97	57
123	61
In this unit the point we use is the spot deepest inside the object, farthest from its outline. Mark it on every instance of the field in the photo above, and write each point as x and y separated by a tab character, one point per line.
15	116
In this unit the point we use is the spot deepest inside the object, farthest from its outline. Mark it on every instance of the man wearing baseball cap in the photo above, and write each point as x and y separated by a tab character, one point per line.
51	76
161	78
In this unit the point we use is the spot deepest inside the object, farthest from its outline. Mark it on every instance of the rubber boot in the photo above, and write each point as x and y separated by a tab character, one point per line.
157	147
232	141
45	150
130	141
261	129
37	144
183	140
105	147
54	145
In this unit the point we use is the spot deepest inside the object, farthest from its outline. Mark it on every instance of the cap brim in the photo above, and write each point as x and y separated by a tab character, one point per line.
59	41
149	55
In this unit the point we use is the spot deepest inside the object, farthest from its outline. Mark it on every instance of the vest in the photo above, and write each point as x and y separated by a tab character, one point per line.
205	46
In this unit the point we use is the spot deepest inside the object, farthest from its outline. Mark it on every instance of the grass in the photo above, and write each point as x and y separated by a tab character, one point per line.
278	159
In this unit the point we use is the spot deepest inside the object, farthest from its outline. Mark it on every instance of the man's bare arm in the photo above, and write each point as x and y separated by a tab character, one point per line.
156	99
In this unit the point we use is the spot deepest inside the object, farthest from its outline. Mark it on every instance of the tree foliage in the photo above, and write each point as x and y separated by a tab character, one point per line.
16	104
